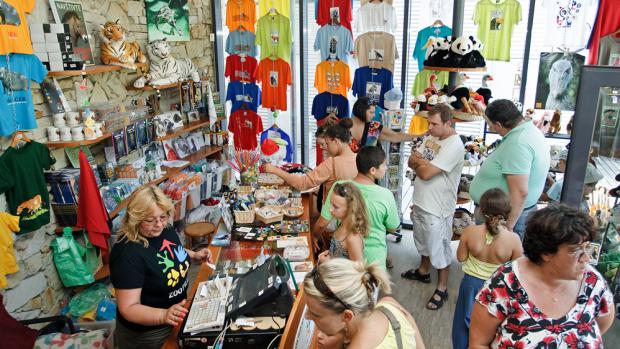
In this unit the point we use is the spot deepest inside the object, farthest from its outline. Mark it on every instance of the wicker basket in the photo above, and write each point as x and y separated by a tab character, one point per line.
293	212
244	217
295	201
273	219
269	179
244	190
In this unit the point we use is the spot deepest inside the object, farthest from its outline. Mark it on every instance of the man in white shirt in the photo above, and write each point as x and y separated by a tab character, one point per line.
438	163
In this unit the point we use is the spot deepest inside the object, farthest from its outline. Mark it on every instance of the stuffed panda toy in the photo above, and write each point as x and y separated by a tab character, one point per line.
440	54
460	49
474	58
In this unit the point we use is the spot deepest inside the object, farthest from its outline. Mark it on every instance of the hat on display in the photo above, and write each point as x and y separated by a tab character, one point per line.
563	155
269	147
392	99
593	175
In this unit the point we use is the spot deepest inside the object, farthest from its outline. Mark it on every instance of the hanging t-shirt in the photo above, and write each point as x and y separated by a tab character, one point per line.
275	133
607	22
245	125
275	76
339	9
372	83
419	53
326	103
282	6
376	50
609	51
569	22
379	17
14	33
274	36
239	93
160	270
496	20
334	40
8	264
21	179
15	97
241	13
241	42
422	81
239	68
333	77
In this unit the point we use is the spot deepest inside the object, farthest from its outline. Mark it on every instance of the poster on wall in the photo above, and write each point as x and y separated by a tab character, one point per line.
71	13
558	80
167	19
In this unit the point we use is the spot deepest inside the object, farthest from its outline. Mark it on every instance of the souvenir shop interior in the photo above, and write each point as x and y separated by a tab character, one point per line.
216	173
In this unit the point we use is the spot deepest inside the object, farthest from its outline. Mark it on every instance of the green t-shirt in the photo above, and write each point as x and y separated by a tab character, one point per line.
21	179
496	20
382	215
523	150
421	81
273	35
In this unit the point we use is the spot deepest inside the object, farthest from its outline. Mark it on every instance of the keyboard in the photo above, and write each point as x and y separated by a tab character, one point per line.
208	310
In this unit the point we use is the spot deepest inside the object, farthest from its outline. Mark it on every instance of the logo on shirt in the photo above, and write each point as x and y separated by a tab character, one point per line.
31	209
8	14
373	91
497	20
375	54
243	48
333	80
275	36
242	74
166	256
12	81
333	42
334	14
273	78
430	149
244	98
567	13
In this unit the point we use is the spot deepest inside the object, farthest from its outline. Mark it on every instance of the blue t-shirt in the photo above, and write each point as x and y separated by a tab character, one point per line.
372	83
282	135
423	35
325	103
241	42
16	71
334	39
239	93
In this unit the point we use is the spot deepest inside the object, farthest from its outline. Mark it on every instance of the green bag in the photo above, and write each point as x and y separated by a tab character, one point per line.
76	264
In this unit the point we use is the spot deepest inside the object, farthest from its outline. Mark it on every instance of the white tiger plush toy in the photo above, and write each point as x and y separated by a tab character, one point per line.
164	69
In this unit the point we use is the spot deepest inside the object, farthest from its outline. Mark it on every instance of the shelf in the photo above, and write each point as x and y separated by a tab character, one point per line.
456	114
161	87
63	144
170	172
93	69
185	129
457	70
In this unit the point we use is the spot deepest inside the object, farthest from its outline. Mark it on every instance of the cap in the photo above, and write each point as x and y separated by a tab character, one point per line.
269	147
392	99
593	175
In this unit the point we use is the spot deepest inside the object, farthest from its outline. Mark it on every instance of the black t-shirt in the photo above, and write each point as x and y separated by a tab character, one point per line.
160	270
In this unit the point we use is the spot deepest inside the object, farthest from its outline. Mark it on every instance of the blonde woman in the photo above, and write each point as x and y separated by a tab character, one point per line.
340	301
149	266
347	205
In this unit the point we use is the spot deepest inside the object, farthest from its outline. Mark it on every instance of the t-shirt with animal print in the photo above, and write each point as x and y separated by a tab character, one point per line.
275	76
14	33
376	50
160	270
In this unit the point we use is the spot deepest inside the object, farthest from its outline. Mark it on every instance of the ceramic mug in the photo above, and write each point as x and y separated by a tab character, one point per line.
65	133
77	133
73	118
89	133
59	119
53	133
98	129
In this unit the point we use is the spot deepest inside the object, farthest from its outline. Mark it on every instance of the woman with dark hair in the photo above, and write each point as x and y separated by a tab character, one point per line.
552	295
518	166
367	132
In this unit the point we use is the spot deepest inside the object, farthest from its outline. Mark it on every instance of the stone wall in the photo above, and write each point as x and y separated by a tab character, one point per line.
36	290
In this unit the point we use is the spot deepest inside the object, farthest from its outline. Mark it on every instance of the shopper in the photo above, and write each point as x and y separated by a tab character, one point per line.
347	206
341	300
518	166
552	295
482	249
148	268
593	175
380	205
324	341
438	163
367	132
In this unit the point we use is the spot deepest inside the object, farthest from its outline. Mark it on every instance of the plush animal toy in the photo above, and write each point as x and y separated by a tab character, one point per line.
474	58
439	57
555	126
164	68
461	47
116	50
544	123
484	90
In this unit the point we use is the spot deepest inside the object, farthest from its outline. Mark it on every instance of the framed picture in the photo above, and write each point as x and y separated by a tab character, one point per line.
169	151
181	147
558	80
193	147
71	13
119	144
167	20
193	115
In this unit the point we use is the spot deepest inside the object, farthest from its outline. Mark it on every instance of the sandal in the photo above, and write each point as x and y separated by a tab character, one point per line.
388	263
438	303
415	275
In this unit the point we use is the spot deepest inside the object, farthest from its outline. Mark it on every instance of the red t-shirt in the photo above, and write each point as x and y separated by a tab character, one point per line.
343	9
607	22
245	125
241	68
275	76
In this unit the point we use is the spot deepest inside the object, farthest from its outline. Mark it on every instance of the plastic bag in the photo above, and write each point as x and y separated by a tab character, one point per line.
88	300
75	263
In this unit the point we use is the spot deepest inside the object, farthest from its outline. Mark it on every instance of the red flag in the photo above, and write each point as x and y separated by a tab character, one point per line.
92	215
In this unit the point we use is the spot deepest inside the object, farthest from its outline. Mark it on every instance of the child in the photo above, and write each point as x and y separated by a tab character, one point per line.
482	248
330	342
347	205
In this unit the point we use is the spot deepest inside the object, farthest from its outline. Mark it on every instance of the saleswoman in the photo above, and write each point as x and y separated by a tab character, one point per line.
149	267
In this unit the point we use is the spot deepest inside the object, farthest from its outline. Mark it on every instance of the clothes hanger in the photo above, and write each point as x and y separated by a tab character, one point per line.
19	136
438	23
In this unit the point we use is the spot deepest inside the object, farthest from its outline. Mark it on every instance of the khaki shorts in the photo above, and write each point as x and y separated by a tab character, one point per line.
432	237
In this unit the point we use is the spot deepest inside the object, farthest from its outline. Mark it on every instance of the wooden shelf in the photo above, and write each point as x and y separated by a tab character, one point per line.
63	144
93	69
456	114
161	87
172	171
457	70
185	129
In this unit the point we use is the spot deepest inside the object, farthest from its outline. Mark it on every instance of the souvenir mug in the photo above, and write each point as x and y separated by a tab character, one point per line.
77	133
53	133
98	129
73	118
65	133
89	133
59	119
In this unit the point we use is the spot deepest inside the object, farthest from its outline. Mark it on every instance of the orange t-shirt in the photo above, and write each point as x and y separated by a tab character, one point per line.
14	33
241	13
275	75
333	77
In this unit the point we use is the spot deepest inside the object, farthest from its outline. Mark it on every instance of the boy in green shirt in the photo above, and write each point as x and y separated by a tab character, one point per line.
380	204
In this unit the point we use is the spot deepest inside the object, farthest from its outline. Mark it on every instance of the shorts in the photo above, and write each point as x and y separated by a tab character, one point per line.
432	235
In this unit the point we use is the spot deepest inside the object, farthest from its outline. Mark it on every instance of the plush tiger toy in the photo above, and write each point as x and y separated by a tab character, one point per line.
164	68
116	50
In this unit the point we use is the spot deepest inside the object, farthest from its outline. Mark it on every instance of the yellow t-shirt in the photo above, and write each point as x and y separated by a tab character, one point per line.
282	6
8	264
333	77
14	33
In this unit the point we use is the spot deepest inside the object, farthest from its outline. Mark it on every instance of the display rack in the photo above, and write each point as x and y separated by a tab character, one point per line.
457	70
90	70
62	144
395	153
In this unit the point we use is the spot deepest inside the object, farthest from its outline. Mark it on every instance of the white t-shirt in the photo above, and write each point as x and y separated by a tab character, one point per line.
569	22
375	17
438	195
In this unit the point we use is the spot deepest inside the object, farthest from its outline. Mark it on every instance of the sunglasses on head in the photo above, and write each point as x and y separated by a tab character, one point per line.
322	287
